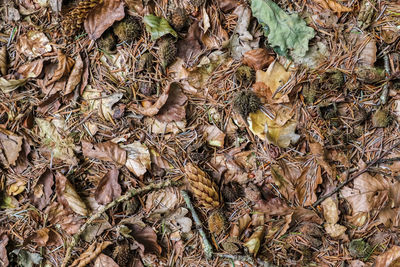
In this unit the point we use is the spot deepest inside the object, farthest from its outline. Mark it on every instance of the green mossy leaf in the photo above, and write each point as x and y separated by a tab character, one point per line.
158	27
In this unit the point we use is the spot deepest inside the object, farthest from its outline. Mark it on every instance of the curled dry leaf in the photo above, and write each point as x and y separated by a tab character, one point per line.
153	109
59	147
107	151
147	237
75	76
105	261
3	251
3	60
388	258
42	190
46	237
108	188
258	58
9	85
103	16
10	145
68	197
138	158
174	108
32	69
254	242
90	254
64	66
33	44
191	47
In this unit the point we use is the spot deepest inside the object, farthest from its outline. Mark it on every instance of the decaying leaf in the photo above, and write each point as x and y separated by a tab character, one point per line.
16	188
10	85
64	65
68	197
107	151
258	58
10	146
215	137
90	254
61	217
46	237
32	69
138	158
33	44
254	242
42	190
285	32
108	188
158	27
3	251
75	76
388	258
275	77
147	237
105	261
60	147
162	201
174	108
103	16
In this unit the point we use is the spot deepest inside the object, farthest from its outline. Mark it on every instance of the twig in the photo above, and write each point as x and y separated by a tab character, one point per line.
385	91
208	251
370	164
128	195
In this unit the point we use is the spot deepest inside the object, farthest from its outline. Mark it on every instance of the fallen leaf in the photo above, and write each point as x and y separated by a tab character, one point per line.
163	201
64	65
258	58
59	147
16	188
178	220
190	48
75	76
68	197
138	158
285	32
33	44
96	100
331	212
105	261
61	217
107	151
387	258
160	127
214	136
108	188
254	242
32	69
95	229
10	145
102	17
90	254
155	108
3	251
10	85
275	77
147	237
227	5
158	27
40	237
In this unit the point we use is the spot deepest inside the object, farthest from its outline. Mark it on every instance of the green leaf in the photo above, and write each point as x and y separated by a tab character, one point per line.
158	27
285	32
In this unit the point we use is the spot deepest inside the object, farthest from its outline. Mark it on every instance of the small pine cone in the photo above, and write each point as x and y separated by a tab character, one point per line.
75	18
203	188
121	254
178	19
167	52
217	222
3	60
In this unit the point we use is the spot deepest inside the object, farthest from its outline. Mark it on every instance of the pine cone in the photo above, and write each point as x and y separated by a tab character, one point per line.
3	60
167	52
75	18
202	187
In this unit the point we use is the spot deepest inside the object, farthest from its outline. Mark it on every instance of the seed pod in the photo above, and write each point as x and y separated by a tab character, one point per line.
167	52
246	102
127	29
121	254
203	188
178	18
3	60
244	75
75	18
217	222
107	42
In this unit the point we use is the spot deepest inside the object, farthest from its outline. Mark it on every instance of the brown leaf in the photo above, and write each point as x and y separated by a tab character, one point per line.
64	66
258	58
68	197
32	69
75	76
90	254
105	261
68	221
108	188
42	191
174	108
155	108
228	5
107	151
40	237
147	237
191	47
215	137
103	16
386	258
33	44
3	250
138	158
11	145
273	207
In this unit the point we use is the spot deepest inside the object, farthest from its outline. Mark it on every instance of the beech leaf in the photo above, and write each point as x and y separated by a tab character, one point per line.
158	27
108	188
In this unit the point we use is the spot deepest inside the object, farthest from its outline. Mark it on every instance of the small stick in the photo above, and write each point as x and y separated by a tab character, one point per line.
208	251
372	163
128	195
385	91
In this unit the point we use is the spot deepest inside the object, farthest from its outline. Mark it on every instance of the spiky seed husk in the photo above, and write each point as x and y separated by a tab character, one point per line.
203	188
381	118
167	52
232	191
145	62
178	18
3	60
107	42
121	254
244	74
246	102
75	18
147	88
217	222
127	29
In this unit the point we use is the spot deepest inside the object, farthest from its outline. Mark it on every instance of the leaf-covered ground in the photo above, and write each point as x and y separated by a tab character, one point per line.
199	133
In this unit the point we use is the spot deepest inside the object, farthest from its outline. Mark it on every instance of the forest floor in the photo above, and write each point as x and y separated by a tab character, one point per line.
199	133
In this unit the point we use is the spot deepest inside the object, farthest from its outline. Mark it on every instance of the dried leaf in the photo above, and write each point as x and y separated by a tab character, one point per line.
33	44
190	48
3	250
174	108
16	188
275	77
42	191
26	258
107	151
387	258
285	32
108	188
3	60
331	212
163	201
67	220
68	197
32	69
138	158
147	237
90	254
103	16
105	261
158	27
333	5
254	242
11	145
10	85
64	66
95	229
258	58
215	137
75	76
61	147
96	100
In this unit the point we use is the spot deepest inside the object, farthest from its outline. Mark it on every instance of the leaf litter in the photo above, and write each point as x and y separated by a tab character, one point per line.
209	133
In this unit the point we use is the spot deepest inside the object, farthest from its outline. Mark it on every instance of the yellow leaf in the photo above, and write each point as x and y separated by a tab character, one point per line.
275	77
